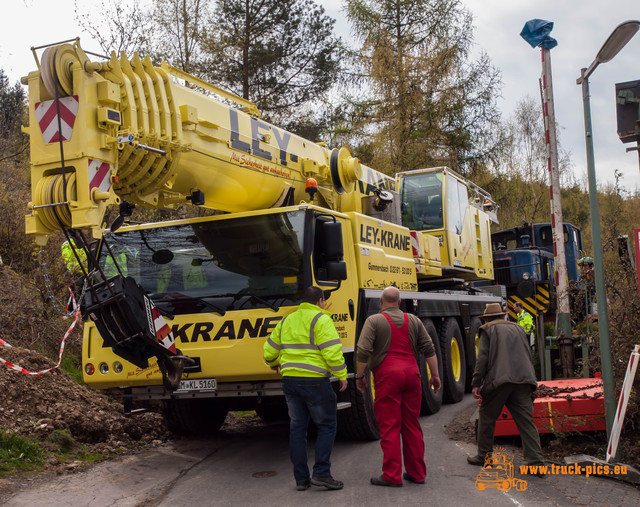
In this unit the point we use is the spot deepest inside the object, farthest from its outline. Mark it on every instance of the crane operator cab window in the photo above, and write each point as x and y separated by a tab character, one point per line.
220	264
422	202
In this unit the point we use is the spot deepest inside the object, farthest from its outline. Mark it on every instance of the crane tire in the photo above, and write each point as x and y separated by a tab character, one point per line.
431	401
193	416
474	329
453	361
358	422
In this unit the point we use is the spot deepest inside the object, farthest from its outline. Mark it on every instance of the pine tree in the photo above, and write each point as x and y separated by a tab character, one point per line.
13	110
280	54
427	101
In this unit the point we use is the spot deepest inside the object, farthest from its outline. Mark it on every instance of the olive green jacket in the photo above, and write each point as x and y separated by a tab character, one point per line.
504	357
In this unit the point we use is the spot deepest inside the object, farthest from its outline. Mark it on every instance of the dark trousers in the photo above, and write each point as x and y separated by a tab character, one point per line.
517	398
310	398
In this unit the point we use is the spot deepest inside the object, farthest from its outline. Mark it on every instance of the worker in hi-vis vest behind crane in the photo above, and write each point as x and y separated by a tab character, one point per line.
524	319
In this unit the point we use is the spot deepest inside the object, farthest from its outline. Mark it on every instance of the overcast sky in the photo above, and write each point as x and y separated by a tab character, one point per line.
581	27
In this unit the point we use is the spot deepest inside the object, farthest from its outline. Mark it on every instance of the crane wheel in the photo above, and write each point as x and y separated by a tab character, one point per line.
358	422
453	361
345	170
431	401
474	337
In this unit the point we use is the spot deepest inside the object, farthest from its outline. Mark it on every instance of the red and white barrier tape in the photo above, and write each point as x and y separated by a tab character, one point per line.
72	306
20	369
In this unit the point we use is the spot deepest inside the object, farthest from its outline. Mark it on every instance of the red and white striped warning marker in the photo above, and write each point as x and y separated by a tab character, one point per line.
415	247
99	175
163	331
622	403
20	369
47	116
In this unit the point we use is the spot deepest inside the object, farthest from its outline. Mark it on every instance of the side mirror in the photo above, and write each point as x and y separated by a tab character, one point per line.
163	256
329	253
336	270
332	240
125	210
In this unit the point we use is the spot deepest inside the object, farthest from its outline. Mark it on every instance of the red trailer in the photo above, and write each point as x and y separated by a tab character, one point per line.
562	406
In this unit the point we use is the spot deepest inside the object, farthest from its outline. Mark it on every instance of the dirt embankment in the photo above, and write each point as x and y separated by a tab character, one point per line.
37	405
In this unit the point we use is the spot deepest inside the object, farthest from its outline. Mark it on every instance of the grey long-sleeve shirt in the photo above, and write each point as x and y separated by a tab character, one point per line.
375	337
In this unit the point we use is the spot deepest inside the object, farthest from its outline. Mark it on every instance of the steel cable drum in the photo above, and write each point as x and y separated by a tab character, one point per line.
51	191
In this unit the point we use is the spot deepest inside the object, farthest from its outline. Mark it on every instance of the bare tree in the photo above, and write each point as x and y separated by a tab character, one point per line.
117	26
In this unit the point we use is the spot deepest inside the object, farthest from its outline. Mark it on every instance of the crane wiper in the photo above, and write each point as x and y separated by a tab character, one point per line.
250	296
269	305
202	300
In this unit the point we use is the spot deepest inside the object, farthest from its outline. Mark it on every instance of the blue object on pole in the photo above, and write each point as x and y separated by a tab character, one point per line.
536	33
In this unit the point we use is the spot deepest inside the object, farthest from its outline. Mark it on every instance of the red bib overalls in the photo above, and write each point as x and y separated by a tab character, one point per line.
398	393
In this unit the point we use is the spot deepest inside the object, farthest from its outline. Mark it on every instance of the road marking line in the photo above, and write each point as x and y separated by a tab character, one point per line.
512	499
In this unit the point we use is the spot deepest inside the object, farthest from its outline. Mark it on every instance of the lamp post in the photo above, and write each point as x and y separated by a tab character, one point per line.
614	43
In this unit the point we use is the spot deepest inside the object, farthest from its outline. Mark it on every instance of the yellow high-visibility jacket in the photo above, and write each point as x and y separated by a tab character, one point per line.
110	268
70	259
526	321
306	344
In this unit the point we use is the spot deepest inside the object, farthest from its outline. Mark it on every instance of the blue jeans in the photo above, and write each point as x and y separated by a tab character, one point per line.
310	397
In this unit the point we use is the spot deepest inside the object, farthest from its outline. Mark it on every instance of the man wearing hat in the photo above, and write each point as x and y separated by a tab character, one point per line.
504	375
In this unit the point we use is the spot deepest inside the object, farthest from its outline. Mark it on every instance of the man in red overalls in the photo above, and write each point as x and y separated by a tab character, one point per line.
388	344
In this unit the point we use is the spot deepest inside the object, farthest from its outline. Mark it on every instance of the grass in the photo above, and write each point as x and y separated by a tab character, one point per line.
72	365
65	448
19	454
243	413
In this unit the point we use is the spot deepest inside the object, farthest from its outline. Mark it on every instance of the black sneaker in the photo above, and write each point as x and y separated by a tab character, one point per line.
327	482
303	486
407	477
381	481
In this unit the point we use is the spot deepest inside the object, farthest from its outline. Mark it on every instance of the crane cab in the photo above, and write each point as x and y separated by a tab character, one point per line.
441	203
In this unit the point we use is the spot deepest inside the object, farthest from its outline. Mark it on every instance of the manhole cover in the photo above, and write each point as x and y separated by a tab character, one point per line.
266	473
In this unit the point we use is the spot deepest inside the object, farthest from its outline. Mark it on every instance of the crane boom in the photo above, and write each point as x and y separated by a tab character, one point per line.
130	131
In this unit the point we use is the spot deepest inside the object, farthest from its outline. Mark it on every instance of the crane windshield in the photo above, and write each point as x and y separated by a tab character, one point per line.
215	265
421	198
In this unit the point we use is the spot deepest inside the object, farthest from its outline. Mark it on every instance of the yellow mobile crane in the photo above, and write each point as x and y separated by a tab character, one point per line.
184	317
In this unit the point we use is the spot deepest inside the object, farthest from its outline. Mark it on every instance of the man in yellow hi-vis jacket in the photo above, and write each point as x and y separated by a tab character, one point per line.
305	346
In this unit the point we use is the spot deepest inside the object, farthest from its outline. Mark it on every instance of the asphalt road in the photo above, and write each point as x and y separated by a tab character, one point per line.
253	468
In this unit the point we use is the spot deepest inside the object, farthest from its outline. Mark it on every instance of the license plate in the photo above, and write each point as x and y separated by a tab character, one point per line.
199	384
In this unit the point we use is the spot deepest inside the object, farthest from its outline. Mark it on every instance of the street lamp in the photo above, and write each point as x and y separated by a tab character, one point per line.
616	41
